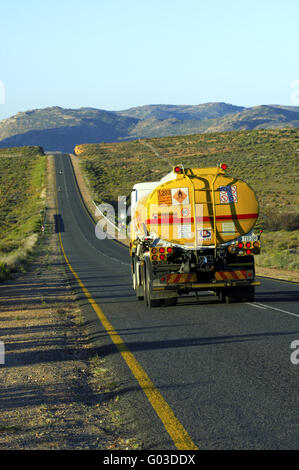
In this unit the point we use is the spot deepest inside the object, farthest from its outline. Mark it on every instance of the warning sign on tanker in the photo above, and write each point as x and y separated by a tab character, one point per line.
228	194
164	197
180	196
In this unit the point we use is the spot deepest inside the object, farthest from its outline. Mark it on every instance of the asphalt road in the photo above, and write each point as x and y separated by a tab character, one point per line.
224	369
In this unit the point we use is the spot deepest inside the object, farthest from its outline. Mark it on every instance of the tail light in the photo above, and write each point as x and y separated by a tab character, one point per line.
240	245
223	166
248	245
248	252
160	253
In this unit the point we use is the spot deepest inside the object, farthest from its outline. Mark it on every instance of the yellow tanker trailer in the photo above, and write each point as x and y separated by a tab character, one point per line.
192	231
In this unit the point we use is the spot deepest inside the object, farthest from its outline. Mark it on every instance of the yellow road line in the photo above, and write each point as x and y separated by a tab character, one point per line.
173	426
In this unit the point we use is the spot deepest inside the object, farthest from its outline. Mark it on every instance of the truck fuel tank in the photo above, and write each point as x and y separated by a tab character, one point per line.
196	207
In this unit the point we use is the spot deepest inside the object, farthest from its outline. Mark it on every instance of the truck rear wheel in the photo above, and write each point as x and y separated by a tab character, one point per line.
171	302
138	289
220	293
249	294
231	295
147	290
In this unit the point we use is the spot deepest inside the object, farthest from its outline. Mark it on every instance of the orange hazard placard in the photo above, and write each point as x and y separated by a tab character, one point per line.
164	197
180	196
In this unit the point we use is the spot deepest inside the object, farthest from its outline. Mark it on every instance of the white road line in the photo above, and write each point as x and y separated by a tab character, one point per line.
263	306
280	310
255	305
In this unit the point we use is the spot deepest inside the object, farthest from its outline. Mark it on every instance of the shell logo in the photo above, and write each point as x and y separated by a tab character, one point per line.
205	234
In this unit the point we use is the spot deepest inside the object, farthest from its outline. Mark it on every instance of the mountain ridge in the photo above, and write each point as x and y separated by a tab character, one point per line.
57	128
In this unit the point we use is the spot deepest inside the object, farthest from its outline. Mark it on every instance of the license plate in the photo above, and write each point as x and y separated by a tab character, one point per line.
250	238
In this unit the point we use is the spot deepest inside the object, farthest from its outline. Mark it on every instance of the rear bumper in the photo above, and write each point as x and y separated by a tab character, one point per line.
204	286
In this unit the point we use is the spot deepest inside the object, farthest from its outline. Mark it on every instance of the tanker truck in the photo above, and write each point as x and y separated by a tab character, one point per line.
193	231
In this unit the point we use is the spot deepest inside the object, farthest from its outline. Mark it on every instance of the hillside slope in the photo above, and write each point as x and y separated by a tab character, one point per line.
258	117
22	204
183	112
57	128
266	159
61	129
260	157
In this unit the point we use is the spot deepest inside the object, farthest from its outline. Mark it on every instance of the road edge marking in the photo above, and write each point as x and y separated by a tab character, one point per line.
279	309
172	425
266	307
255	305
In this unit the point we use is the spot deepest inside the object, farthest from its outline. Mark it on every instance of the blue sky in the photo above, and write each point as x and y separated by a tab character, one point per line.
115	54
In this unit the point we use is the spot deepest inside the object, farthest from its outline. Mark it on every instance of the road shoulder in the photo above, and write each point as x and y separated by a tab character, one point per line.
55	391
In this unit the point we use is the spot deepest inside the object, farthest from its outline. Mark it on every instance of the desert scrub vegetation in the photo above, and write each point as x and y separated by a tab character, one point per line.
280	249
26	151
22	205
266	159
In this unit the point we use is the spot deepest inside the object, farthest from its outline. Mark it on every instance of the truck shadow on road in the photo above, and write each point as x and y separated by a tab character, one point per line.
278	296
134	346
24	358
58	223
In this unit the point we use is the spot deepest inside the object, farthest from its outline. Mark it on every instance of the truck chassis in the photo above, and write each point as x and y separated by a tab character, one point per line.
229	276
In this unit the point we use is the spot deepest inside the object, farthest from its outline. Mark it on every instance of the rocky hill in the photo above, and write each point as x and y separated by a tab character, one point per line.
61	129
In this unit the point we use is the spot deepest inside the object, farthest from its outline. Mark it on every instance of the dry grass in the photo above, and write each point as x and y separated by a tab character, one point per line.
55	392
22	205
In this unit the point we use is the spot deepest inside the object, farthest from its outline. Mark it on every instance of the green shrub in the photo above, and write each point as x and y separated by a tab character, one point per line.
22	202
4	272
266	159
281	221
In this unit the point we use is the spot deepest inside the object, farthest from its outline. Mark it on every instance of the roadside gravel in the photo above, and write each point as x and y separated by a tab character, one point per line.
55	392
